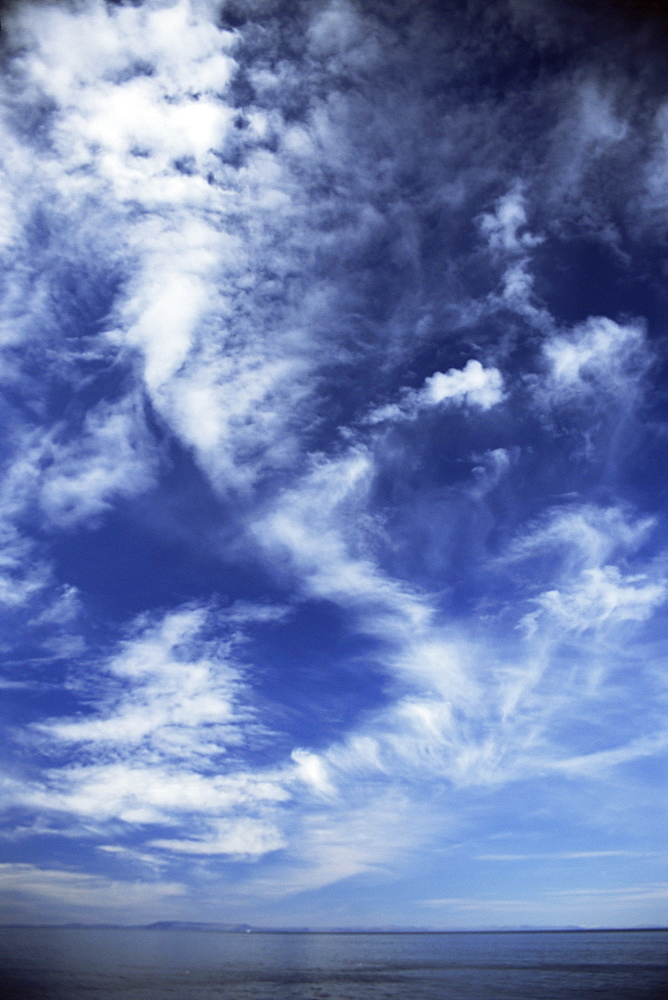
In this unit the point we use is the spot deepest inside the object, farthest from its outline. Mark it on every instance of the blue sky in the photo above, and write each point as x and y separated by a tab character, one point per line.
334	550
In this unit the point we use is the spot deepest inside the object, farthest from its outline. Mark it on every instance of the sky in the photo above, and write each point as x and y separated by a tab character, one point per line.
333	534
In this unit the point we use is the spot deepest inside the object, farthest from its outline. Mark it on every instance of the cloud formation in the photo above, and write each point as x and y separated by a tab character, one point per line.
332	531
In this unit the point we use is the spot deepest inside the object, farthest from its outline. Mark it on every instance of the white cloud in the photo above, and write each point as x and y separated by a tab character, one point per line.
243	837
583	536
231	225
156	748
602	597
312	769
170	299
487	905
517	293
598	355
472	386
154	861
356	839
601	762
137	164
213	309
565	856
506	228
509	240
72	477
474	716
112	457
313	530
63	608
65	52
656	890
157	792
178	698
586	907
492	467
22	573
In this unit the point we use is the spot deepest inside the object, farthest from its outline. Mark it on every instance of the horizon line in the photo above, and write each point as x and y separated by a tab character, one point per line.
224	928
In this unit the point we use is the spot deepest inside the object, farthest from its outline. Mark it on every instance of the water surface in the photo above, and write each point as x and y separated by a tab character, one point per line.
130	964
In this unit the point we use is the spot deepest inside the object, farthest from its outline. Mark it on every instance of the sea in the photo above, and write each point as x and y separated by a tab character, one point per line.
48	963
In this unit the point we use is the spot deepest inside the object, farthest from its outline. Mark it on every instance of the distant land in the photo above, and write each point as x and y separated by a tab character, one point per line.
226	928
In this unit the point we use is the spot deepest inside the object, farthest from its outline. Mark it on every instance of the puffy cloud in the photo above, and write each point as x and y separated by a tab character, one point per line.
472	386
506	228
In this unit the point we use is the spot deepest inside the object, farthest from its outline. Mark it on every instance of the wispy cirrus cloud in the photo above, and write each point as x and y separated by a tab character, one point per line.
602	596
167	700
560	856
154	748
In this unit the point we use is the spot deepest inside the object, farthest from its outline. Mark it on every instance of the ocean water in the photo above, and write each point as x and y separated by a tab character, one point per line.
124	964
